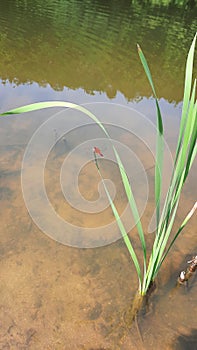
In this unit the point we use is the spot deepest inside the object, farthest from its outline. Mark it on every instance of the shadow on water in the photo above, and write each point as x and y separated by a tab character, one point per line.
186	342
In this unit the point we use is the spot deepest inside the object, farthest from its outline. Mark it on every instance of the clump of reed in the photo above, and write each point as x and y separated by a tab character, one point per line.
185	154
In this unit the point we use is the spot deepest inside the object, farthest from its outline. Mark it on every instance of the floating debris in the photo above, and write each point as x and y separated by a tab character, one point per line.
185	275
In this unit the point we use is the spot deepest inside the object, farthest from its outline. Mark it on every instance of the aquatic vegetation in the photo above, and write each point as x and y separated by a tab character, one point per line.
185	154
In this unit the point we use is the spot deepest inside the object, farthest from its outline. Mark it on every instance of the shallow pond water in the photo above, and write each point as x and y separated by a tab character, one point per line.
65	296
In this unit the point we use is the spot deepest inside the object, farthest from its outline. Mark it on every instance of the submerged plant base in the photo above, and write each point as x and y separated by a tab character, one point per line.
140	304
137	305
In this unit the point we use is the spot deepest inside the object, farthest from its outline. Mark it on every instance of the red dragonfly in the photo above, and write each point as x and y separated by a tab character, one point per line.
96	150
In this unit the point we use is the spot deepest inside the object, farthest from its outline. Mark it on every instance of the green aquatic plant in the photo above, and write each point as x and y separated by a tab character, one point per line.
185	154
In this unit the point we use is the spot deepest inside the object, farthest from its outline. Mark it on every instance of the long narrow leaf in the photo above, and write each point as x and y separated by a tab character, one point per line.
159	141
187	92
124	234
185	221
133	207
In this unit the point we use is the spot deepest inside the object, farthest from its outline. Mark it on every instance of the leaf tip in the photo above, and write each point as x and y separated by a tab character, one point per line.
139	48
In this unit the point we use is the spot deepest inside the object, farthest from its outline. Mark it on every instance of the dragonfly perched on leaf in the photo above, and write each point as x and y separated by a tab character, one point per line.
96	151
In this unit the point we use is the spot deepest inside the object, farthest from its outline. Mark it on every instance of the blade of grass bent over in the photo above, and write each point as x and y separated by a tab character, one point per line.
49	104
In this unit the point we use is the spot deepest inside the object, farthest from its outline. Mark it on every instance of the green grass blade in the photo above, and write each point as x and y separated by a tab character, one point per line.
51	104
187	218
158	175
192	146
38	106
133	207
132	202
187	92
189	127
146	68
124	234
156	256
186	152
159	141
184	161
148	74
186	104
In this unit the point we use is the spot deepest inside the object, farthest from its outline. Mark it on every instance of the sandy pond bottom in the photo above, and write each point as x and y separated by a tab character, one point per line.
57	297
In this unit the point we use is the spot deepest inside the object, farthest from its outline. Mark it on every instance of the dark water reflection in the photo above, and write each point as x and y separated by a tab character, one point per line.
58	297
92	45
